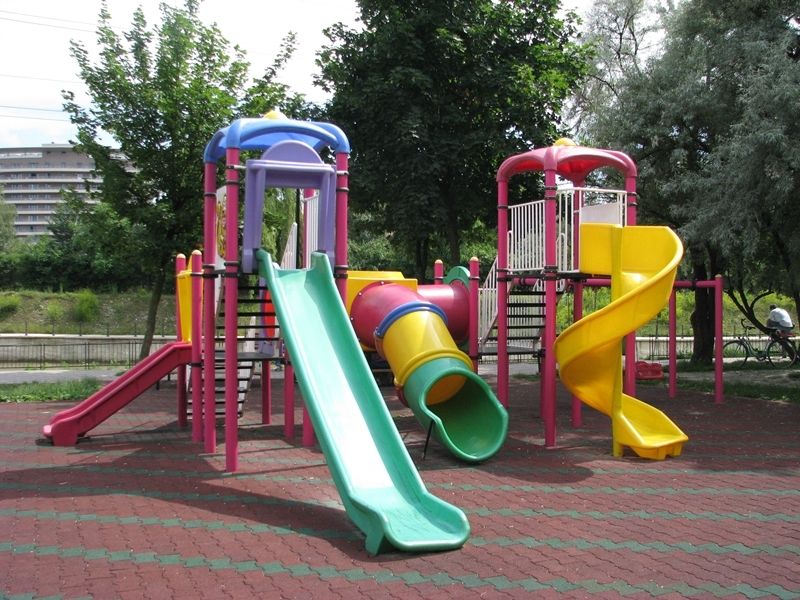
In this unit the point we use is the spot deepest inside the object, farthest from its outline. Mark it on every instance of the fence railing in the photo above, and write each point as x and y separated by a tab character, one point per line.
51	353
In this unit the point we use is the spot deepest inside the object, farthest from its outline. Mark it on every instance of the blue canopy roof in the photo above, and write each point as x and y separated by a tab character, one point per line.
261	134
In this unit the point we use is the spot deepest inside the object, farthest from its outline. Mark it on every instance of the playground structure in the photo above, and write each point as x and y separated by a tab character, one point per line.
327	316
406	323
538	245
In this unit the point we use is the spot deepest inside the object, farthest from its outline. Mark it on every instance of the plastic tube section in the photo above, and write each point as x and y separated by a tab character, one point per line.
410	332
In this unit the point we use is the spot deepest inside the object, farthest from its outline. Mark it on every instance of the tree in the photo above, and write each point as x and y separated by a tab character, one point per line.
7	215
622	35
161	95
684	119
433	96
94	246
752	180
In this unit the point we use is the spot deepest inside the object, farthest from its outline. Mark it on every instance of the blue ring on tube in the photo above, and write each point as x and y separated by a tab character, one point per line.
405	309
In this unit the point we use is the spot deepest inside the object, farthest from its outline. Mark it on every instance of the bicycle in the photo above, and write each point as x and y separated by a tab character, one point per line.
781	350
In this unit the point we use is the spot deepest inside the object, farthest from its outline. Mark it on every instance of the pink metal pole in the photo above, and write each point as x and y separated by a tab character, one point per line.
577	286
341	266
231	310
266	393
672	346
548	377
288	400
180	265
502	292
577	315
630	340
438	272
209	305
197	348
474	291
719	386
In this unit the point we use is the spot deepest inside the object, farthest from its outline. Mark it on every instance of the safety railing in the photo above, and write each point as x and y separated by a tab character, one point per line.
85	354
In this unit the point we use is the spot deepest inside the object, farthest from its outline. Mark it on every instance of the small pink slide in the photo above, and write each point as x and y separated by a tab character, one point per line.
67	426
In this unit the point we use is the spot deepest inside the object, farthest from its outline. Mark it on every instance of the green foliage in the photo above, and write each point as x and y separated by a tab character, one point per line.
479	241
65	391
280	209
7	215
55	312
433	96
115	313
371	249
86	307
9	304
161	93
710	123
754	388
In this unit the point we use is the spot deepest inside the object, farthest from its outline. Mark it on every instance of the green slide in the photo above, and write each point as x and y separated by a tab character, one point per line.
380	488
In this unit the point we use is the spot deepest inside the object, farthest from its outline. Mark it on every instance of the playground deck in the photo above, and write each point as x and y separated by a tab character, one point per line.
136	512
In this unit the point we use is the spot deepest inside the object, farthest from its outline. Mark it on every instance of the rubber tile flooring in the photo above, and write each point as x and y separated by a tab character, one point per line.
137	510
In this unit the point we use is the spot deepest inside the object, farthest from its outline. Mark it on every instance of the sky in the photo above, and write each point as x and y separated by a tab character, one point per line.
36	65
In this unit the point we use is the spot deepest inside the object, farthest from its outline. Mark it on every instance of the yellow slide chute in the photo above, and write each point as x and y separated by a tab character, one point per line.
642	262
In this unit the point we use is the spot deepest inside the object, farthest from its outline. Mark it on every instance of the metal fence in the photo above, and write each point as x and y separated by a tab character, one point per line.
44	353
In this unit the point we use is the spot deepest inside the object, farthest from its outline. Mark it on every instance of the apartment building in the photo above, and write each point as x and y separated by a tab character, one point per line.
33	178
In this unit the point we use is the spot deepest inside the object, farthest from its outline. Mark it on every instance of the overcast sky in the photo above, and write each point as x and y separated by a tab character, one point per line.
36	66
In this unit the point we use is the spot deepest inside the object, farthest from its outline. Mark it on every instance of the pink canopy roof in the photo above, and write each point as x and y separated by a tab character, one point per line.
570	162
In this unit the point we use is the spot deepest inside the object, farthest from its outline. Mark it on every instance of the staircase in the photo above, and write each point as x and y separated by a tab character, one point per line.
525	318
526	257
258	343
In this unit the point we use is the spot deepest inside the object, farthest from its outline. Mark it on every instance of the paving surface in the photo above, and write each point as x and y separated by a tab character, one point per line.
137	511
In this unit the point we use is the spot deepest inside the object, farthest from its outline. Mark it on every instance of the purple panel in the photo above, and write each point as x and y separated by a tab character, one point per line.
288	164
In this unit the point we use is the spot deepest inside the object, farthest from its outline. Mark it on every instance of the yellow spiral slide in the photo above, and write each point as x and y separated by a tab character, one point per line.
642	262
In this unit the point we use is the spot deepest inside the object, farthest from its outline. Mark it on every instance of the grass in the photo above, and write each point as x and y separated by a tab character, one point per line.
27	311
49	392
745	389
750	389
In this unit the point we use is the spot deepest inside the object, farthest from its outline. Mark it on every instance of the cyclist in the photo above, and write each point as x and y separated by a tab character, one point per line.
779	320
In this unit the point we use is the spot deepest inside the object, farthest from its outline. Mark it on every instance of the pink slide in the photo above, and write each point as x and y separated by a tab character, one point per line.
67	426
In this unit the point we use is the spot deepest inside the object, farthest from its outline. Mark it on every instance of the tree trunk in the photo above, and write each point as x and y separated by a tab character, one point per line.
702	319
421	258
453	242
156	292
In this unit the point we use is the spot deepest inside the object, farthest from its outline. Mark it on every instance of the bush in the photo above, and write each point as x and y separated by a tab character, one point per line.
86	308
9	304
54	312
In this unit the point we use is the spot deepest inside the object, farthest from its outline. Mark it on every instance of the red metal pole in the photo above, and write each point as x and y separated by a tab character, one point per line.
231	310
474	292
266	393
630	340
340	251
288	400
577	286
197	348
577	315
548	376
209	306
438	272
719	386
502	292
180	265
672	346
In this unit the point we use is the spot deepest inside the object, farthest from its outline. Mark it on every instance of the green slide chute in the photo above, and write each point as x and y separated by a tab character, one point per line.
380	487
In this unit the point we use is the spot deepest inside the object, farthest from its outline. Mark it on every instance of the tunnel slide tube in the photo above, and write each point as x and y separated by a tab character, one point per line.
435	377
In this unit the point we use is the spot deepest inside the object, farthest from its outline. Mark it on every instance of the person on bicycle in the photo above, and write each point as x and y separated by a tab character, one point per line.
779	320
